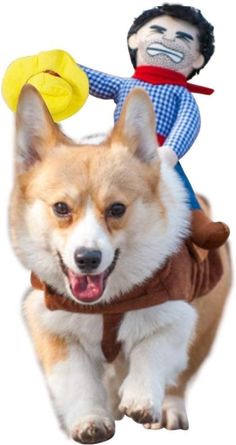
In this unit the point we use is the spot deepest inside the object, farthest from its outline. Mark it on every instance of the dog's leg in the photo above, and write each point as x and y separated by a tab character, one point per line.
174	414
155	363
74	380
209	309
115	374
80	398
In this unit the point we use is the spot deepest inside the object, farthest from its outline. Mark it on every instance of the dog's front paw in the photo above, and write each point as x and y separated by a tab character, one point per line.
174	416
141	414
140	407
93	429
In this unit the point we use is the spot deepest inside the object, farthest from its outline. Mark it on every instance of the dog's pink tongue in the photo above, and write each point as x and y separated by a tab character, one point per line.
86	287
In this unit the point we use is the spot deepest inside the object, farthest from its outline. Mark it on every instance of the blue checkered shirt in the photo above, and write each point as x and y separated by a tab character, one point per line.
178	118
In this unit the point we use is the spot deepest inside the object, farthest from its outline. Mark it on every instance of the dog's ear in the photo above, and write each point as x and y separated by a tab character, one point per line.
136	127
35	130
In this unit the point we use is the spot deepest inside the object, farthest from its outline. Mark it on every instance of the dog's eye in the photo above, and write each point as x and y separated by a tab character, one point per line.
116	210
61	209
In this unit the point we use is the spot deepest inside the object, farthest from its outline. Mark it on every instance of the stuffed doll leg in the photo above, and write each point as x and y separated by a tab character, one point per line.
205	233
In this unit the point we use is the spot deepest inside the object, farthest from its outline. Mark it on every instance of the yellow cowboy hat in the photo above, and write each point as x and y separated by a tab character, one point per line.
63	85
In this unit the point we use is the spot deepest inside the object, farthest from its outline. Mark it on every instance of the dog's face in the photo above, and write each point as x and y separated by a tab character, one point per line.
93	220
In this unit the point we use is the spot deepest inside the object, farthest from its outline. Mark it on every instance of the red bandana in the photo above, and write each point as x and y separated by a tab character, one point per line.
162	76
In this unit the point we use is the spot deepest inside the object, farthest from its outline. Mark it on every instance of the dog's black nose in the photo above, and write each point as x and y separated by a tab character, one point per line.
87	260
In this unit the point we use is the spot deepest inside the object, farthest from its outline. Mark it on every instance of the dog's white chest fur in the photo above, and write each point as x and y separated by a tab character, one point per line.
136	325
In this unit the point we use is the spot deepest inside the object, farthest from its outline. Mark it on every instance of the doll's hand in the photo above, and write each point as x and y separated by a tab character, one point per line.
63	85
167	155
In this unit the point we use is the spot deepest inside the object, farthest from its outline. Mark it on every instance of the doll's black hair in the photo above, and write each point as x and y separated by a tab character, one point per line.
186	13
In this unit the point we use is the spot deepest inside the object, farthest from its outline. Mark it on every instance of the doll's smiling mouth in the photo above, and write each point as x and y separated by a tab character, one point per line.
157	49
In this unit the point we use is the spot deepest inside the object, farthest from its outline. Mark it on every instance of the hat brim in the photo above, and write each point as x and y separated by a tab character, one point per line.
62	83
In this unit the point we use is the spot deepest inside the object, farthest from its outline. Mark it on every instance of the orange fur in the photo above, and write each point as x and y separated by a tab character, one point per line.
51	349
78	174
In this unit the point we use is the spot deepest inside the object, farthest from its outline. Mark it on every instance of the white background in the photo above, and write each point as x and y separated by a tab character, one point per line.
94	32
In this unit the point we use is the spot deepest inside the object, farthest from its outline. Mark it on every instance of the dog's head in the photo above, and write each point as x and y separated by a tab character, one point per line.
92	221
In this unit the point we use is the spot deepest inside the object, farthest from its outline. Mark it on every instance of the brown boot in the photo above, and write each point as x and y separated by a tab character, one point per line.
206	233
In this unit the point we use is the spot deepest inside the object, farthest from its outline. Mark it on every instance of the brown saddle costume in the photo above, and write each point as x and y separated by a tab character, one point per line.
185	276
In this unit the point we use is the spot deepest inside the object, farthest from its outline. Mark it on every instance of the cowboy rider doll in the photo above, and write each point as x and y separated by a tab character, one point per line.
168	45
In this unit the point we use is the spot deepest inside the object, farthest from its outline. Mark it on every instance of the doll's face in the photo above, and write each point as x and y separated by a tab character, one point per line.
169	43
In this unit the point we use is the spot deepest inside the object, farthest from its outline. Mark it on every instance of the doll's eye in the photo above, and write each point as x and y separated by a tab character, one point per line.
158	29
184	36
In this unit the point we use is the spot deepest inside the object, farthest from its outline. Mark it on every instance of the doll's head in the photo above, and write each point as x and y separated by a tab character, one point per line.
171	36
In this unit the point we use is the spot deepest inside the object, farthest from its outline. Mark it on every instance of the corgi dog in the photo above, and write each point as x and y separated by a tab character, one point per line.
93	222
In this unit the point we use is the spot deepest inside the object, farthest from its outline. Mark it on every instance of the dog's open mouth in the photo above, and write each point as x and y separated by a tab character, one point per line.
88	288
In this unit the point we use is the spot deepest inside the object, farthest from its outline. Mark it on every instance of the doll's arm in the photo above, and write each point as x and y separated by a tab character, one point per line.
186	126
102	85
